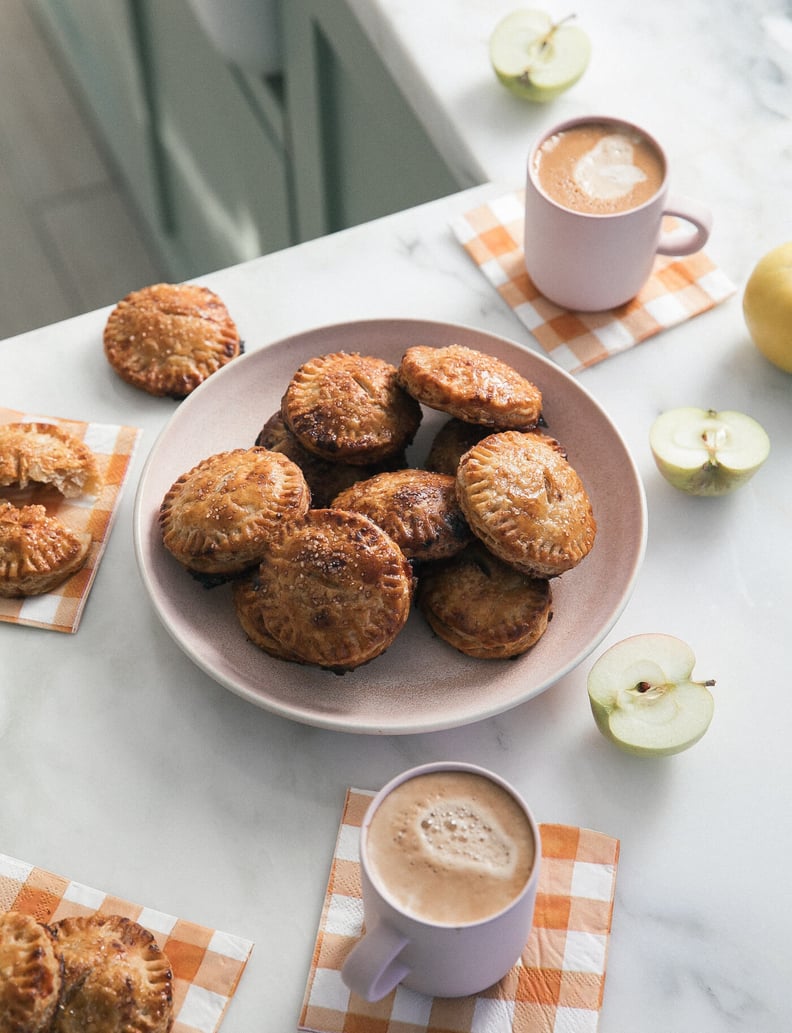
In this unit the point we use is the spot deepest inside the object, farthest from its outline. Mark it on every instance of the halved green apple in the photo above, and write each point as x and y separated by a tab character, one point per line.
705	452
643	698
536	58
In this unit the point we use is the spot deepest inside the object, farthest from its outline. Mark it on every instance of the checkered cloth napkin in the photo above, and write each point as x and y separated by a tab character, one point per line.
62	608
677	290
555	987
206	964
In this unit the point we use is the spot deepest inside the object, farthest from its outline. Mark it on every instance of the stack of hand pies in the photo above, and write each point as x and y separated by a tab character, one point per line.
39	551
96	974
328	535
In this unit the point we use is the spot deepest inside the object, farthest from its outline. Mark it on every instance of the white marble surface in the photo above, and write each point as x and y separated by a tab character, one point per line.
124	767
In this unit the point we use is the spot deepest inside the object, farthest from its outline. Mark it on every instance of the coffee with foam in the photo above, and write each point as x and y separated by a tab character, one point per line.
599	168
450	847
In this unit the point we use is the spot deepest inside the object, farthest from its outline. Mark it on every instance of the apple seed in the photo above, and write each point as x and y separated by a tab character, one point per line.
645	687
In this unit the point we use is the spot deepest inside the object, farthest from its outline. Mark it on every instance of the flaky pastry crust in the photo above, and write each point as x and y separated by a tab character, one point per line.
37	552
166	339
116	978
44	453
527	504
325	477
247	606
334	589
471	385
482	606
30	974
451	442
417	508
217	517
350	407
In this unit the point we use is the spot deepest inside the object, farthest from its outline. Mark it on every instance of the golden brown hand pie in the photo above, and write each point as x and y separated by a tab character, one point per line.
217	517
116	978
37	552
44	453
482	606
325	477
245	595
471	385
526	503
451	442
334	589
166	339
350	407
417	508
30	975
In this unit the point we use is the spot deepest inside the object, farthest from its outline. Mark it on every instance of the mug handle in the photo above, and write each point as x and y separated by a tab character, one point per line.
685	240
372	968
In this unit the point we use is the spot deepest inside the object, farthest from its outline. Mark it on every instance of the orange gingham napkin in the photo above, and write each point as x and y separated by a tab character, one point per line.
61	609
206	964
678	289
556	986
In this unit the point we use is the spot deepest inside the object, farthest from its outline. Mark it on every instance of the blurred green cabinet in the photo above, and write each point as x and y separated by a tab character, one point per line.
358	149
201	153
100	44
224	164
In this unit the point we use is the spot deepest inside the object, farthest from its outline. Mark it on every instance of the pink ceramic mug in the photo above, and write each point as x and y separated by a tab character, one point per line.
590	261
448	958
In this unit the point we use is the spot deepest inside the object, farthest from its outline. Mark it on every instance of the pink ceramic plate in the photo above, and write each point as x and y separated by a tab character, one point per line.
420	684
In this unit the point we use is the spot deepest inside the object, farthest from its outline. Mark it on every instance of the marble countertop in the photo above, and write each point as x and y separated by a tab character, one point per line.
126	768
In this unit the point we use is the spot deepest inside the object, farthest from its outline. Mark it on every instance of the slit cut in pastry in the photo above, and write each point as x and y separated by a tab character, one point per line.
217	518
334	590
30	974
44	453
527	504
168	338
484	607
116	979
417	508
326	478
37	552
350	407
471	385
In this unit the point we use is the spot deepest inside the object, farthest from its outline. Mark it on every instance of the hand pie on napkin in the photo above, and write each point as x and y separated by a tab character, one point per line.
206	964
86	508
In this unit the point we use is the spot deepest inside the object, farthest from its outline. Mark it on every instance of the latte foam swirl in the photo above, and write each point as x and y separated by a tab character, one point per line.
608	170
